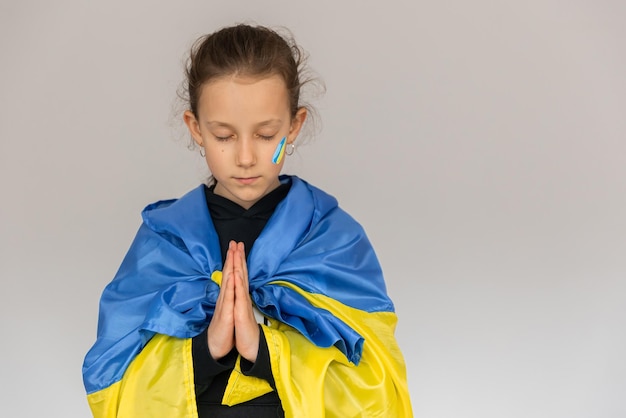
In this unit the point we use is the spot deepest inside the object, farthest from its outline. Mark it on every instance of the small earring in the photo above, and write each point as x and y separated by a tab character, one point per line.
290	149
202	151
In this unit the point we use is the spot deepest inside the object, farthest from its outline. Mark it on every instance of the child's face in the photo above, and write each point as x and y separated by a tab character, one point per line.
240	122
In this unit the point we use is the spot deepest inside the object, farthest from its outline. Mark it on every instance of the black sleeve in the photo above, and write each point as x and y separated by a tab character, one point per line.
262	367
205	367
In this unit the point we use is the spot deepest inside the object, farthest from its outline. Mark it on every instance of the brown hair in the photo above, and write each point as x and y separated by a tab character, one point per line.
245	50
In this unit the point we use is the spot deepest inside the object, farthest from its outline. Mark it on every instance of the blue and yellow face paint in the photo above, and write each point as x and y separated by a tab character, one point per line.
280	151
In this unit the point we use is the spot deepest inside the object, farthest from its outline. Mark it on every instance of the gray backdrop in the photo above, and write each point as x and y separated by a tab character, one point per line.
481	144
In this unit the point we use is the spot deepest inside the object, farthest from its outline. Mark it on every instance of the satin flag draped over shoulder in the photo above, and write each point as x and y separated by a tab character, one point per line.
313	274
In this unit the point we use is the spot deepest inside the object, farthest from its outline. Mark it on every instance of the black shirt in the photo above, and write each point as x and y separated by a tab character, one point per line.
233	222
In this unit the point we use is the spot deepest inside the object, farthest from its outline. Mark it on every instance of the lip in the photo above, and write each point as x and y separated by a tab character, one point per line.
246	180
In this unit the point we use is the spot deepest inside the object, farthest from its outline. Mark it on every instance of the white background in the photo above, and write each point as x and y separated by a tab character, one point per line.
481	144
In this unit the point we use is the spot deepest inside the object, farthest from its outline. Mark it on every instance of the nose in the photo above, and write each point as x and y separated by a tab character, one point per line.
246	156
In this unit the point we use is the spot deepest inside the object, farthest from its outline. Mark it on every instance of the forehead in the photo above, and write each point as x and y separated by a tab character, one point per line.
235	97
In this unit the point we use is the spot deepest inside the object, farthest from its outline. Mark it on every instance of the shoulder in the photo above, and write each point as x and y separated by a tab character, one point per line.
181	224
326	207
160	211
320	199
185	219
192	197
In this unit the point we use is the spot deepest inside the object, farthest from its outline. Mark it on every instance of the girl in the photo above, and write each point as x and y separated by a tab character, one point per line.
254	295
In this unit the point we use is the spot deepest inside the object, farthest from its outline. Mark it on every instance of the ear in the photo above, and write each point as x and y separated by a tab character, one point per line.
296	124
193	126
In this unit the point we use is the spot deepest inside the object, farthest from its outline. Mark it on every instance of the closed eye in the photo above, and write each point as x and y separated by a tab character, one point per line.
267	137
222	138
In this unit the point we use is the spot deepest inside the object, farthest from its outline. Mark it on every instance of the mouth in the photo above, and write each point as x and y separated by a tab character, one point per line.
246	180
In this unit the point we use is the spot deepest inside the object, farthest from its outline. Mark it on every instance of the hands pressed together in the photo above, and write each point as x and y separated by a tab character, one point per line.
233	323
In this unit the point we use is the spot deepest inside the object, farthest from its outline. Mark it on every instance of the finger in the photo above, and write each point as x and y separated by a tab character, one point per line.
227	288
228	260
242	294
244	265
238	266
231	261
244	308
246	328
227	271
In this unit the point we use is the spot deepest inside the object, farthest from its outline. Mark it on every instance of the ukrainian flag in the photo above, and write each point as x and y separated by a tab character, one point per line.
314	275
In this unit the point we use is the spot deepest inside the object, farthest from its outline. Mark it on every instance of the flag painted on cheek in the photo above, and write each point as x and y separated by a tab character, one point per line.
314	275
280	151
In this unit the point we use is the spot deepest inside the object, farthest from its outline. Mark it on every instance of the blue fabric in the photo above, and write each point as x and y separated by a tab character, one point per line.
164	283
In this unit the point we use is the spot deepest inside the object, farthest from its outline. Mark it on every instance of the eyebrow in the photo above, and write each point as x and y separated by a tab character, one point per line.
227	125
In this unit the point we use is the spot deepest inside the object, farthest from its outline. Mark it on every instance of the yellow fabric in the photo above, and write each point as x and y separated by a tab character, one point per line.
217	277
242	388
324	383
157	384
